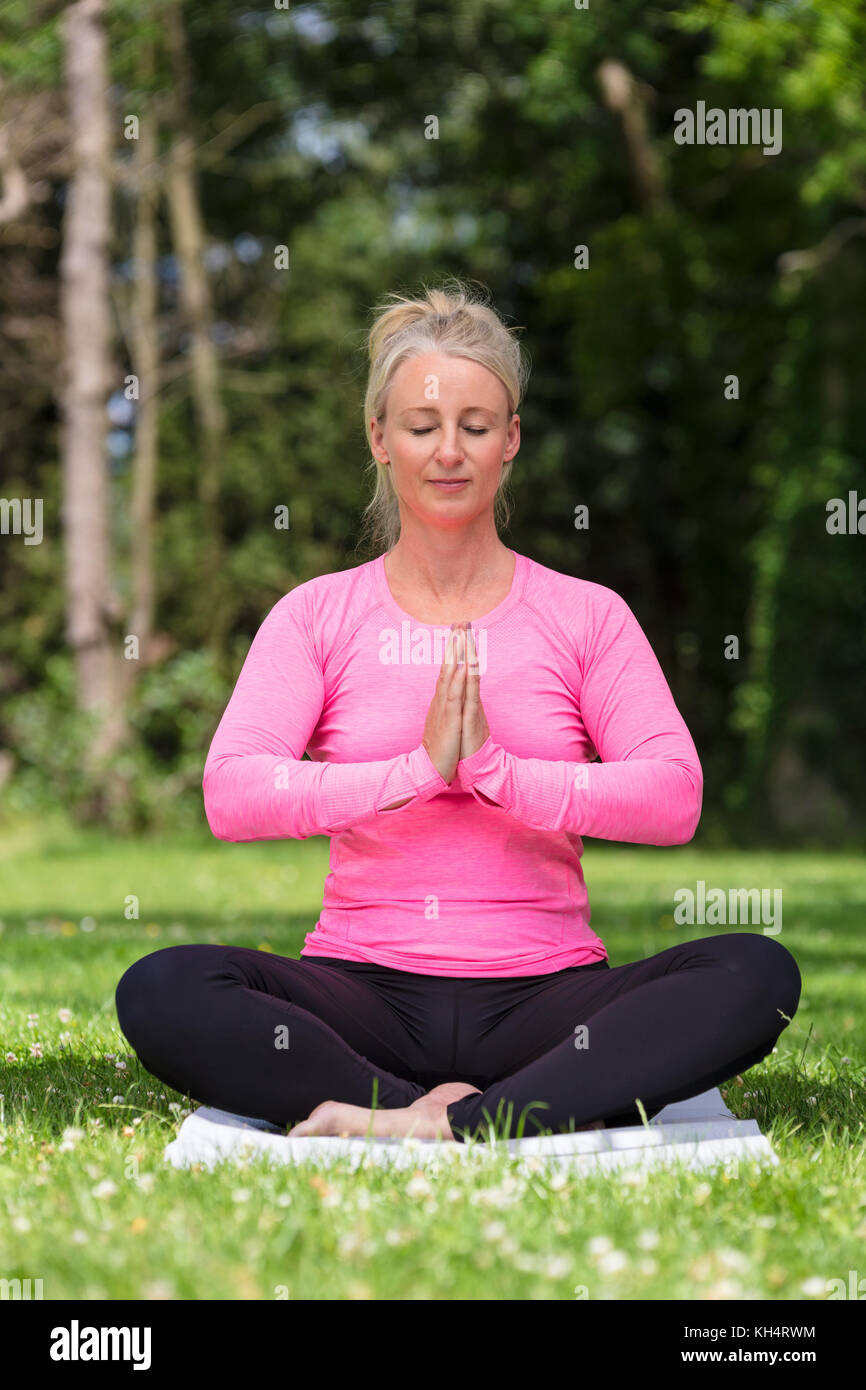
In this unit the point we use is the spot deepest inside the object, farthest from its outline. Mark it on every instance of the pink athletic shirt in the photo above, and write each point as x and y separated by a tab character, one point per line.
481	877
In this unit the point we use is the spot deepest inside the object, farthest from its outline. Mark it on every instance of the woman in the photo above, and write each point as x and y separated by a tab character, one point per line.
452	982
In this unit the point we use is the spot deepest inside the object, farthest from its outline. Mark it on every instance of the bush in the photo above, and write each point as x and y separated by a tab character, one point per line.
153	782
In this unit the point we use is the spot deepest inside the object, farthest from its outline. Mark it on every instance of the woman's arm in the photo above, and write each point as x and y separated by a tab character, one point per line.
647	789
255	785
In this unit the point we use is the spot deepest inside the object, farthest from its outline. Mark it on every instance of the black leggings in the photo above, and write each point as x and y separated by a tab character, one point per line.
271	1037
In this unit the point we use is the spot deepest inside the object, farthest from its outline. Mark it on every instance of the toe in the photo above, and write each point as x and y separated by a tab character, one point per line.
315	1122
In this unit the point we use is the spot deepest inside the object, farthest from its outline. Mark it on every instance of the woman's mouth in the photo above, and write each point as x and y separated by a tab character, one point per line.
449	485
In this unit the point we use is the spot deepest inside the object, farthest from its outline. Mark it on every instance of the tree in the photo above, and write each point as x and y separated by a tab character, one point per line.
92	606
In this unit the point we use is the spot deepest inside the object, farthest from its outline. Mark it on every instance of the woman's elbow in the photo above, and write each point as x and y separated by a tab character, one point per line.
692	804
219	828
683	807
217	810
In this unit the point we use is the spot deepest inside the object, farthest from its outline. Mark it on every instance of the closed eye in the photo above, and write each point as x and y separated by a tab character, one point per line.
470	429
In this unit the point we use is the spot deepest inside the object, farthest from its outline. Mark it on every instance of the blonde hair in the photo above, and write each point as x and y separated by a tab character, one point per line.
450	319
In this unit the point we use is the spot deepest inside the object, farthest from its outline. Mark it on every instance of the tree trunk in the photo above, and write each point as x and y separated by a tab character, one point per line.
189	241
625	96
144	351
91	606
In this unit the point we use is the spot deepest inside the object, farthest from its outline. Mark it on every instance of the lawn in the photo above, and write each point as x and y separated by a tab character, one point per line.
91	1209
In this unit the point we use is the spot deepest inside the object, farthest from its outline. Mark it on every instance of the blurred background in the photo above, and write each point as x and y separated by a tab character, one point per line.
201	204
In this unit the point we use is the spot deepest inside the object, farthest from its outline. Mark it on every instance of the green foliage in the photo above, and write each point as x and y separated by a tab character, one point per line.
154	780
30	45
706	511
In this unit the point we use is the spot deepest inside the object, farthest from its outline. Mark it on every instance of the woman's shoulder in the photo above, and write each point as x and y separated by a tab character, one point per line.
352	583
569	591
325	607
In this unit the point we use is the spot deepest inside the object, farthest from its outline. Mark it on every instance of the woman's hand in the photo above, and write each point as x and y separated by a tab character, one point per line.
456	725
475	727
443	726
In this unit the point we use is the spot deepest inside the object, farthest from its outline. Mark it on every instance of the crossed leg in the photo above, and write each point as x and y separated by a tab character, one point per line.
657	1030
264	1035
208	1021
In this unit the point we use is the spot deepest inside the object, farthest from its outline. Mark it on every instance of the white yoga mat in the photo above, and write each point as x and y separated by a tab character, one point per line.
697	1133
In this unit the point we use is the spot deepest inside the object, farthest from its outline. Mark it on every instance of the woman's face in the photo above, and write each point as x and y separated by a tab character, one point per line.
446	418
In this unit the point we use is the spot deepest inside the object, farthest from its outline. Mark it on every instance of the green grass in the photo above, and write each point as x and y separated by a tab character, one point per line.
91	1208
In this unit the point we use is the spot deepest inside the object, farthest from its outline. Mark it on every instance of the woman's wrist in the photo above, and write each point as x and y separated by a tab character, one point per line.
469	767
484	748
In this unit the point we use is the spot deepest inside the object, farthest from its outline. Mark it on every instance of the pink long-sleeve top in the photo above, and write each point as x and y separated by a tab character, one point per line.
481	877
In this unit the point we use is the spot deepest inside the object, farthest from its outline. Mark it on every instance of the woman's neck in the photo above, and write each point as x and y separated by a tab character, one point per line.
450	571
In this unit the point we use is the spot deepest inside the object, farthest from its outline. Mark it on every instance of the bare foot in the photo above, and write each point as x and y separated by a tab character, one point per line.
425	1118
434	1106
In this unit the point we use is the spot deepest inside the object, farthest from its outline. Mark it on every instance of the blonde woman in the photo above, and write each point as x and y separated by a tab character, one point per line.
454	696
